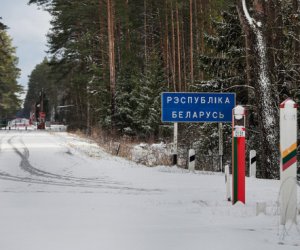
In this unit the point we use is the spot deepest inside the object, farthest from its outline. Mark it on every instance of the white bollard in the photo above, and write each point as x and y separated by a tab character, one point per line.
252	161
288	162
227	182
192	159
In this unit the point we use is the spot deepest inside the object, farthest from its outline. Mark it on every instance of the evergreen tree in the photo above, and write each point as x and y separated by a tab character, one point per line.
9	73
2	26
224	64
125	105
151	84
41	79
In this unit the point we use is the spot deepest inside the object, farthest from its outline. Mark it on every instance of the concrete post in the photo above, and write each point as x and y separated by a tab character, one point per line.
192	158
288	162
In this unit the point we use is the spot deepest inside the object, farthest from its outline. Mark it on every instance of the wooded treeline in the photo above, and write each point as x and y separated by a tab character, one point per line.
10	102
111	59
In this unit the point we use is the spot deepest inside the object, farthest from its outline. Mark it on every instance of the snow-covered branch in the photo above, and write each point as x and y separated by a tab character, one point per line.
246	12
250	20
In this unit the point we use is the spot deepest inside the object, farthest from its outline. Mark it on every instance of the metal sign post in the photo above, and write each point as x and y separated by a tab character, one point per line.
238	155
175	143
288	162
221	145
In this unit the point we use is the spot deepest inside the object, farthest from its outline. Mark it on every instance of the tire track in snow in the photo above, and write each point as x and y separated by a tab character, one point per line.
39	172
26	166
31	180
58	180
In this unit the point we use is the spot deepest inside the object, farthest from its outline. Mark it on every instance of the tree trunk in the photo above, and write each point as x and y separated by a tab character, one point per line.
266	98
101	39
296	45
184	59
111	55
274	36
88	111
191	43
202	8
127	26
197	37
173	49
145	31
167	56
178	49
249	49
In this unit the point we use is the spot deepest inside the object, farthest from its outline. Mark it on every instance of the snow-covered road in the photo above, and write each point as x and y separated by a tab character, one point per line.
61	192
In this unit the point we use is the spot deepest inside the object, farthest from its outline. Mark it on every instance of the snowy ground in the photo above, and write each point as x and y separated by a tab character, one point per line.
60	192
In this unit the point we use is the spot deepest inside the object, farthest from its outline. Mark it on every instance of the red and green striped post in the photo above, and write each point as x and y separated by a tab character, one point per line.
238	155
288	161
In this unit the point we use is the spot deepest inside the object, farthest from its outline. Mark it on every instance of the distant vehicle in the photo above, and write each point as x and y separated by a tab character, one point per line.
18	123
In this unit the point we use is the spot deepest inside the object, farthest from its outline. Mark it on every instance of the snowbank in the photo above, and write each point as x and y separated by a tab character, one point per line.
152	154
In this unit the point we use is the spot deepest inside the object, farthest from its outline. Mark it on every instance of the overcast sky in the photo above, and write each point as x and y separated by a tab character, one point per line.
28	27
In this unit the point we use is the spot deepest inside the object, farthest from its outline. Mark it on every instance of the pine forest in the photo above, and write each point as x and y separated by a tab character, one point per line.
109	61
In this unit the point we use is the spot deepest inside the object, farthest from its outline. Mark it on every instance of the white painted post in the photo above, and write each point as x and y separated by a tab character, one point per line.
175	143
227	182
192	159
288	162
252	161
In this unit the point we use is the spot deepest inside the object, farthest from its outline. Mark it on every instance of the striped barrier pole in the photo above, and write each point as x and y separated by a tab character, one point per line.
227	182
252	161
192	159
288	162
238	155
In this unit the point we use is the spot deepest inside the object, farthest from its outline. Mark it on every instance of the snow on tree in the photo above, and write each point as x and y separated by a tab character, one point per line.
267	98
